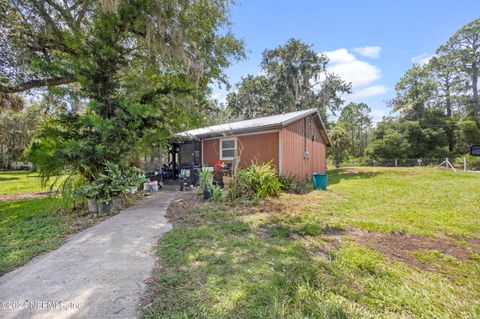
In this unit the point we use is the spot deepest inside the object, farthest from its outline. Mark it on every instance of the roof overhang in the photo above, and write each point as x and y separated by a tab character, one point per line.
230	132
318	118
184	136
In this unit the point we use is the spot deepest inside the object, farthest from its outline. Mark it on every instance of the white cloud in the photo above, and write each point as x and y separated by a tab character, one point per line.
350	69
369	51
369	92
363	75
340	56
422	58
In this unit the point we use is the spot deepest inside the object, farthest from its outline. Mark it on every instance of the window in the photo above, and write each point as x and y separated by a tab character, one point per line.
228	147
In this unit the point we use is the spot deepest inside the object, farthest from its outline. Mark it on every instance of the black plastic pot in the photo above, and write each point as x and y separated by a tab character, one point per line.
207	193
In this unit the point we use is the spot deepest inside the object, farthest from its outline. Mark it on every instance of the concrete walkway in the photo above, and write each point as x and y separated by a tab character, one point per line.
98	273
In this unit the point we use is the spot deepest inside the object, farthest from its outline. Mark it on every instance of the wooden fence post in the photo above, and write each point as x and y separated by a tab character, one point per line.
464	164
396	163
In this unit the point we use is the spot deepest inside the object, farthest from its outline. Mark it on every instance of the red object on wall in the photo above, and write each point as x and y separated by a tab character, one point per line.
218	165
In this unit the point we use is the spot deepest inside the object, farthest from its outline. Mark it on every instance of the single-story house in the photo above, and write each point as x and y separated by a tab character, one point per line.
294	142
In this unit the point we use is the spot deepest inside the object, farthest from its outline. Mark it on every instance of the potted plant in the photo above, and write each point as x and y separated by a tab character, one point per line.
134	178
90	192
104	194
108	201
104	206
116	182
133	189
205	182
98	195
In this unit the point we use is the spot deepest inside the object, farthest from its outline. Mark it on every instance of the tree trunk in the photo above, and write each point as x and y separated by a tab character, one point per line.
450	139
448	99
449	108
476	101
353	143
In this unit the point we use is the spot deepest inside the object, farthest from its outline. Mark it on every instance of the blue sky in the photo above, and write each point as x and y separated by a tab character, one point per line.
370	42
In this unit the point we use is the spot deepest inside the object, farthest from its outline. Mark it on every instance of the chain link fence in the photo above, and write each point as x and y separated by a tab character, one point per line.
458	163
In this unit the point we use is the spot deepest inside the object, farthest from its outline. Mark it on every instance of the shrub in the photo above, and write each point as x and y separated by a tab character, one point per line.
286	182
114	179
258	181
216	193
290	185
301	187
90	190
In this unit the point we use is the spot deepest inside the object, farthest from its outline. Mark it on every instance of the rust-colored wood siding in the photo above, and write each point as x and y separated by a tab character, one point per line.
262	147
298	137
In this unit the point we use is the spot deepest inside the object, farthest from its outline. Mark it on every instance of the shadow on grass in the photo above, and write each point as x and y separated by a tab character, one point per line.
8	178
214	266
23	172
336	176
210	276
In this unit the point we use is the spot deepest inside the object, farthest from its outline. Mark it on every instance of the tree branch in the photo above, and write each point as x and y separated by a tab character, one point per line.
34	84
81	13
63	12
46	16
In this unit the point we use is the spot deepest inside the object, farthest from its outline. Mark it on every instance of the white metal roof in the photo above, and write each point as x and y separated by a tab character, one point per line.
261	123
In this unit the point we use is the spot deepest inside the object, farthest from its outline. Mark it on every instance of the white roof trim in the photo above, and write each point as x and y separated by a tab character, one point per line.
258	124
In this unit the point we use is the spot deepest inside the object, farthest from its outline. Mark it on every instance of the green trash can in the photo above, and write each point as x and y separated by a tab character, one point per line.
319	181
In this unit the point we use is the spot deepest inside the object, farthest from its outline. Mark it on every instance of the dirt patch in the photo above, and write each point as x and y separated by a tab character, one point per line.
31	195
349	171
400	247
292	204
178	212
324	251
474	244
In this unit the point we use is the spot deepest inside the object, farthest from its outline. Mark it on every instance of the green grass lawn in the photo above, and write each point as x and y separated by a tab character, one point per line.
30	227
12	182
380	243
33	226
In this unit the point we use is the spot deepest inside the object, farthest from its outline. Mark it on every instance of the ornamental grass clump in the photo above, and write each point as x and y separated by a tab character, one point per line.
258	181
